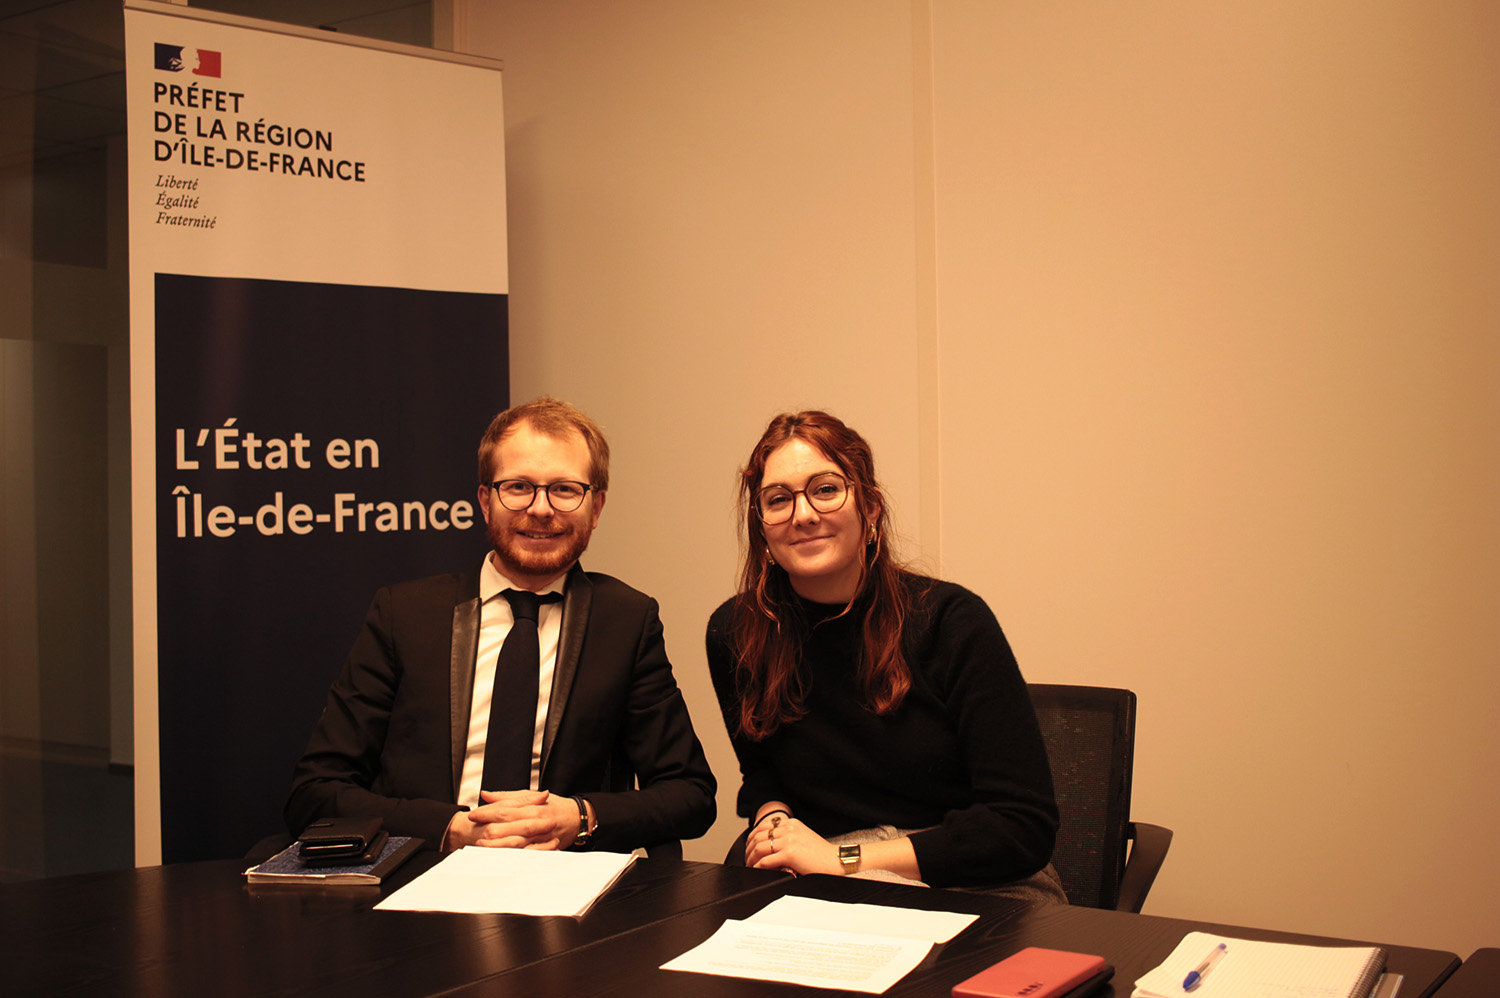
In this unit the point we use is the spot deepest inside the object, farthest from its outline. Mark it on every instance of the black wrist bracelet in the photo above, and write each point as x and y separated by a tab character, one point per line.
585	834
779	810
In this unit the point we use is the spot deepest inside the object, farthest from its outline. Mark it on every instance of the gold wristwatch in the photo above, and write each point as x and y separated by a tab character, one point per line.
849	859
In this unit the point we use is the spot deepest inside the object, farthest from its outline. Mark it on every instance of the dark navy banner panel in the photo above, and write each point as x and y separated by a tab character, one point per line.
314	442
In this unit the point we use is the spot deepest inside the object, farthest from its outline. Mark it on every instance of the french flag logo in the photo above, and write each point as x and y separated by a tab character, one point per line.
176	58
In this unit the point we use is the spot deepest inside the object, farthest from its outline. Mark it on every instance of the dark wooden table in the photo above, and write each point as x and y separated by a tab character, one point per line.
199	929
628	965
1479	977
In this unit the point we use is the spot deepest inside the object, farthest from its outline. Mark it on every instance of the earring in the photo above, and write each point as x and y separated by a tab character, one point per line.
770	558
872	533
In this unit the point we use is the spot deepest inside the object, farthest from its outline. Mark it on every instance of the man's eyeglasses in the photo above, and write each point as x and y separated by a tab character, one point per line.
517	494
826	492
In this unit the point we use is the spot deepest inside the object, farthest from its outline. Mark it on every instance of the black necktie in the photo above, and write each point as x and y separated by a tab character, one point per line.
507	746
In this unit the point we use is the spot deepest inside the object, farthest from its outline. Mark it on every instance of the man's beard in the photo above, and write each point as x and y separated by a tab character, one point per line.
521	562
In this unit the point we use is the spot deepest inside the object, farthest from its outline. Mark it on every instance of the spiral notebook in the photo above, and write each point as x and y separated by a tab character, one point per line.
1254	969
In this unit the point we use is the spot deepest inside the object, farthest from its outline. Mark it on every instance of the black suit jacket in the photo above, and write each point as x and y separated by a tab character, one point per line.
392	735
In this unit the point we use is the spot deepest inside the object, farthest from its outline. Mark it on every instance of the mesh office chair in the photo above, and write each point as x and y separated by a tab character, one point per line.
1090	736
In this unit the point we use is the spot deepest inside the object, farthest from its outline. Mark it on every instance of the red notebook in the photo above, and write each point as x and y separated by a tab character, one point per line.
1034	973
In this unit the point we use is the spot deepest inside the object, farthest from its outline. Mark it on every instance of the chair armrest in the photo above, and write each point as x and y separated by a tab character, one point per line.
671	849
736	854
1148	848
268	847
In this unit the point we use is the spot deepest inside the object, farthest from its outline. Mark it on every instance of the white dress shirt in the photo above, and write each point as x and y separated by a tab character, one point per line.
495	620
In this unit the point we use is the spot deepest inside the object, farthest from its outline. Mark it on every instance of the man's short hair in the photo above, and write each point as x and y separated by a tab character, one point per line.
550	417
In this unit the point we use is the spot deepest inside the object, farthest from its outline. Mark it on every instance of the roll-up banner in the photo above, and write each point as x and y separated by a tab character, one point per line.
318	308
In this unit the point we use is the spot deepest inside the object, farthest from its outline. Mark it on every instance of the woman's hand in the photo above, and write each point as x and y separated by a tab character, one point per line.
781	842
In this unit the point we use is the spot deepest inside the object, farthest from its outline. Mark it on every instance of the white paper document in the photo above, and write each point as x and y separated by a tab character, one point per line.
874	919
512	881
763	951
788	941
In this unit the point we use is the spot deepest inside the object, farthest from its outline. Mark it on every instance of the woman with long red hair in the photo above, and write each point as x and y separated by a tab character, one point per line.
881	722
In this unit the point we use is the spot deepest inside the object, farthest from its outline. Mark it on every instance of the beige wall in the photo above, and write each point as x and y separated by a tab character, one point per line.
1174	326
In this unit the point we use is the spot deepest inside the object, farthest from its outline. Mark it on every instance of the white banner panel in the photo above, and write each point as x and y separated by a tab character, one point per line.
318	337
302	155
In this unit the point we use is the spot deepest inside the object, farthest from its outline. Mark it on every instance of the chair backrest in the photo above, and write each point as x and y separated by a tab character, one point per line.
1090	736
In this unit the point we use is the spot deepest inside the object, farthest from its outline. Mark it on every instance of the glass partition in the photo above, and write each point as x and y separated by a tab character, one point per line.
66	739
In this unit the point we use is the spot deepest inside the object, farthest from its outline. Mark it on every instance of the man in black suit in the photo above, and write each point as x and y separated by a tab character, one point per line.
404	733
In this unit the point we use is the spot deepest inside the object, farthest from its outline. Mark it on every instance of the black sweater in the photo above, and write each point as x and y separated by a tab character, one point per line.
962	756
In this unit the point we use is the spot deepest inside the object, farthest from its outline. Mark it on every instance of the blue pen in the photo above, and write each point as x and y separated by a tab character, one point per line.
1195	977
